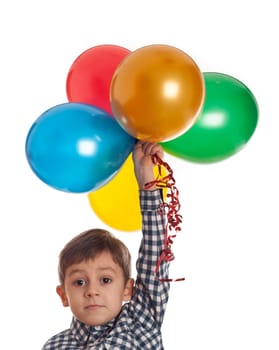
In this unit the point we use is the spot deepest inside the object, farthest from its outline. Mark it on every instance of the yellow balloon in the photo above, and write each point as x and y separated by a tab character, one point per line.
117	203
157	93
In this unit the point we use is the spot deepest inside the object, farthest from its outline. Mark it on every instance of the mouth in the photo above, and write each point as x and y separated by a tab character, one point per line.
94	307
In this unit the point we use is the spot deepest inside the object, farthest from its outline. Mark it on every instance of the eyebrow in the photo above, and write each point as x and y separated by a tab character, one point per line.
105	268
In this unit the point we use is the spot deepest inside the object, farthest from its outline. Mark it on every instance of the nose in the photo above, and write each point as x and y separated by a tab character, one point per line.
92	290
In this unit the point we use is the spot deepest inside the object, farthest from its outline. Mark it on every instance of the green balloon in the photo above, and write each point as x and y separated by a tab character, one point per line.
227	121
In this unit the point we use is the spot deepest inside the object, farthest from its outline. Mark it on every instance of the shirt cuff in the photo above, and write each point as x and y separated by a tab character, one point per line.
150	200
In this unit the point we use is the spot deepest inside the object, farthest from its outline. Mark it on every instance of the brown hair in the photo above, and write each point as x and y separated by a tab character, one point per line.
89	244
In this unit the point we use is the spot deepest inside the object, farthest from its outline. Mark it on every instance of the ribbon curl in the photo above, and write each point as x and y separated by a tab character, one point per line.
171	208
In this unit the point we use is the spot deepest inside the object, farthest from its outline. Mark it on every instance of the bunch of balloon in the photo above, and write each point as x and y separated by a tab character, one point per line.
89	77
76	147
157	93
226	123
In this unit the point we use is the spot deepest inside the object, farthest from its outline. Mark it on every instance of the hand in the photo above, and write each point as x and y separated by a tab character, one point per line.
144	163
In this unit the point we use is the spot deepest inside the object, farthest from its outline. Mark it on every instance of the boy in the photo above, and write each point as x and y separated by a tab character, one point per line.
109	310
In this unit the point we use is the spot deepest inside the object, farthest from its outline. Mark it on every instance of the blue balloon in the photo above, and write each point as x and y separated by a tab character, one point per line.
75	147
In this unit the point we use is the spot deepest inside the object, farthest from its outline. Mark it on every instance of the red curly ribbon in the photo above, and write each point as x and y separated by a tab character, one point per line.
171	208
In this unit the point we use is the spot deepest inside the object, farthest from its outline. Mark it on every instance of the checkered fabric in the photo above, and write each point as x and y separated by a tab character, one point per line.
138	325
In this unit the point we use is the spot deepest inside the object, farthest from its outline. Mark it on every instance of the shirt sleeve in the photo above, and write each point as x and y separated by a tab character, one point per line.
150	293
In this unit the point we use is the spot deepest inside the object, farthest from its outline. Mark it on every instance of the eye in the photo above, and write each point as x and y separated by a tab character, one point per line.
80	283
106	280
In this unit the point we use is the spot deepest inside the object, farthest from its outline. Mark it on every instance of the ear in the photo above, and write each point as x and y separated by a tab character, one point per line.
128	291
61	292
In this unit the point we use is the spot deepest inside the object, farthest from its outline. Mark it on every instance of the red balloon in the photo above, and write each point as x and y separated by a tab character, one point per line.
90	75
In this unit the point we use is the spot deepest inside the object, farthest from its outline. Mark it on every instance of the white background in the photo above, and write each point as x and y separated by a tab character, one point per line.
228	249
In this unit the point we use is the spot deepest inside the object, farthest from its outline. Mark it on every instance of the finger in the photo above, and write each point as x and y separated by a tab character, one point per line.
147	148
138	144
156	149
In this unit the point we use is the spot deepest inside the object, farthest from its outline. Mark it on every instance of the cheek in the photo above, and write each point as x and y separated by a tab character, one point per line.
120	292
74	294
75	302
112	291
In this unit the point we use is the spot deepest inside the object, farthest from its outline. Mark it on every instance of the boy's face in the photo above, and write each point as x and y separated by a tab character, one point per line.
95	290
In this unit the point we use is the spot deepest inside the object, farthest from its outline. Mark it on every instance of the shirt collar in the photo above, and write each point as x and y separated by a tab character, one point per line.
85	334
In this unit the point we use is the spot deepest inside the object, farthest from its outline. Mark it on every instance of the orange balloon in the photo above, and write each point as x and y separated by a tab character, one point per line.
117	203
157	93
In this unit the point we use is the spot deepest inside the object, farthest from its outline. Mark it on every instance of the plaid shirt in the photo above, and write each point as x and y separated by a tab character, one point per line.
138	325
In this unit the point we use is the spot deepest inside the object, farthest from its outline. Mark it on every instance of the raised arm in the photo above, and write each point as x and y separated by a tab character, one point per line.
150	293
